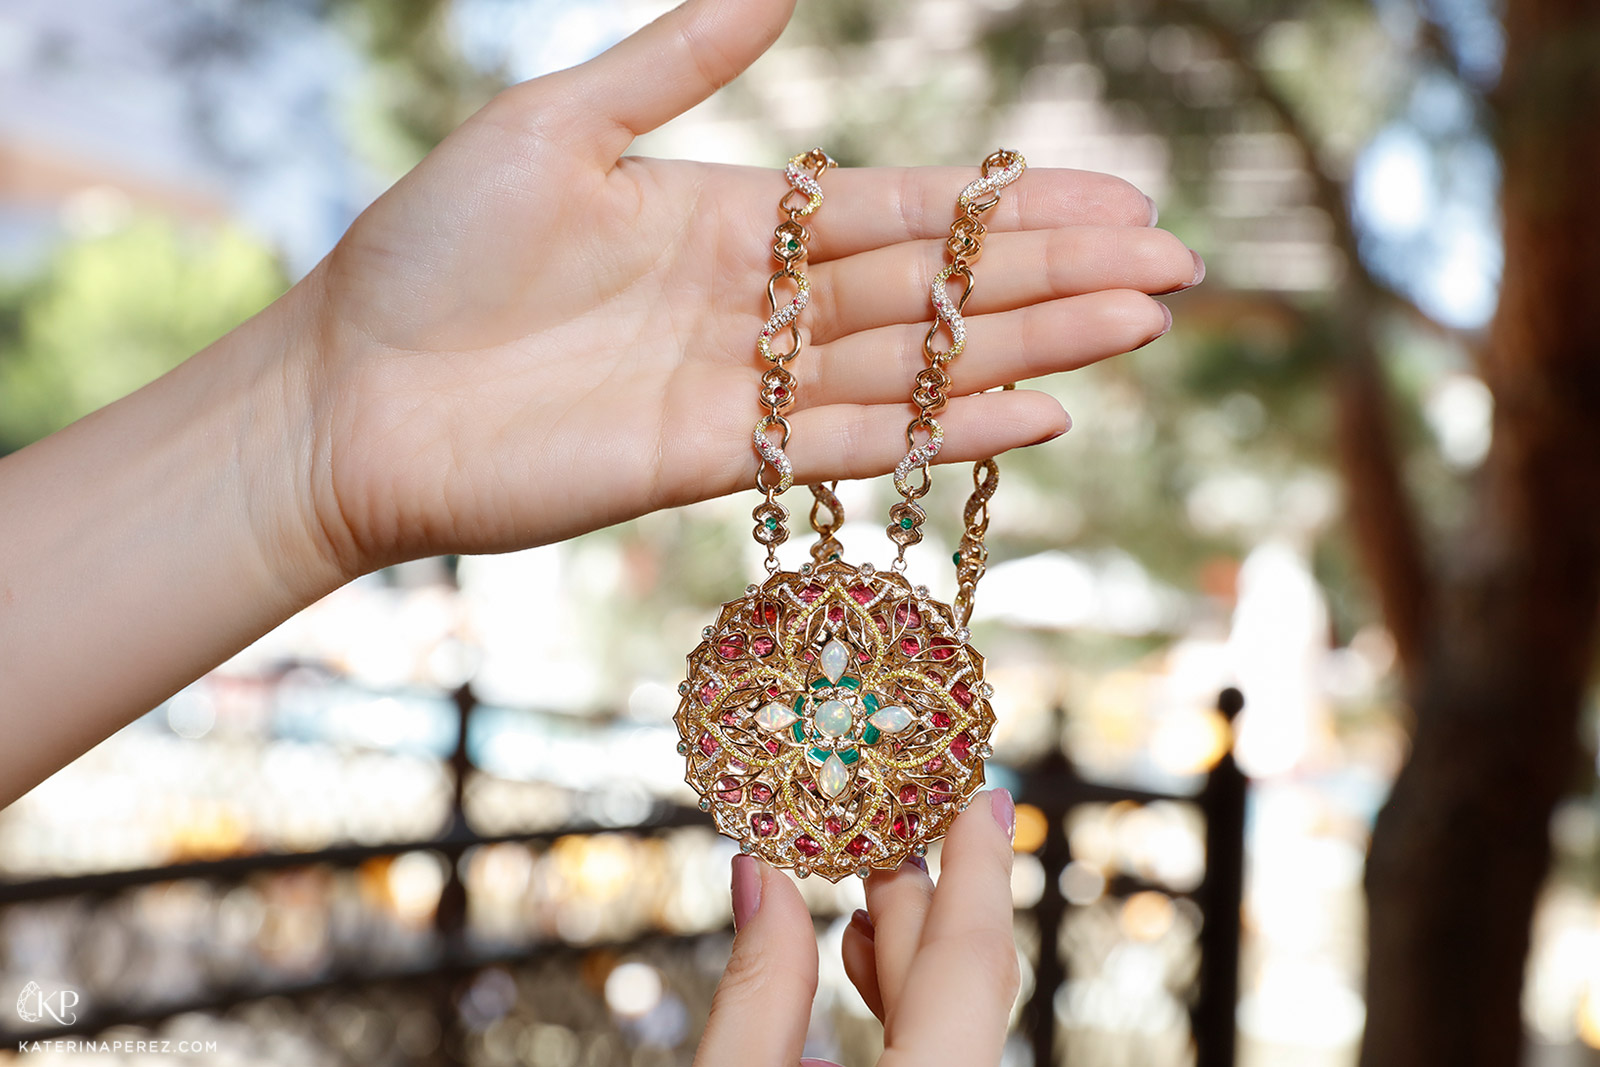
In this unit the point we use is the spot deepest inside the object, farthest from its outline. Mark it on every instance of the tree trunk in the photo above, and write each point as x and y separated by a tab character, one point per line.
1461	848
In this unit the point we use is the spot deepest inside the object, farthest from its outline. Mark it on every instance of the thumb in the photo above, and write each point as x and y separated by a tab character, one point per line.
763	1003
671	65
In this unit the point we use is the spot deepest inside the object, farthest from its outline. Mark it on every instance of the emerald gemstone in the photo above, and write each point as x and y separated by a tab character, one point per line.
819	754
956	559
771	523
821	683
800	730
906	523
852	683
849	756
870	735
871	702
800	704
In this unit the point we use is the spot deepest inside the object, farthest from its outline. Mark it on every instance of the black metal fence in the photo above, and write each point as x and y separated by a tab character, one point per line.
442	973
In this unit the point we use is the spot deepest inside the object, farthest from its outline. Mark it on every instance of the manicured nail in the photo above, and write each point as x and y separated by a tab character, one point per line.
863	922
1155	212
746	889
1199	268
1004	810
919	862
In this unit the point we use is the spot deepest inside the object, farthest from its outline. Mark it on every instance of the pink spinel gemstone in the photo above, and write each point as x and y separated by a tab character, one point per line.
762	646
788	818
807	846
728	791
962	694
939	793
908	794
934	766
764	614
961	747
772	690
708	693
909	646
940	719
864	657
934	676
835	613
905	825
858	846
834	825
881	623
763	824
906	615
943	648
760	792
861	593
810	593
879	819
708	744
729	718
730	646
772	747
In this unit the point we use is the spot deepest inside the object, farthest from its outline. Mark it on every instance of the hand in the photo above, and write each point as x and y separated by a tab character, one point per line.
529	337
938	967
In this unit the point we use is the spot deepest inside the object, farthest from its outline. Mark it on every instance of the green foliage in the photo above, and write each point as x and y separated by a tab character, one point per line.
110	313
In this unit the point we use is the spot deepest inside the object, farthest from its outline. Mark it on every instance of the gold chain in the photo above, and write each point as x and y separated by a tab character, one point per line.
775	475
924	435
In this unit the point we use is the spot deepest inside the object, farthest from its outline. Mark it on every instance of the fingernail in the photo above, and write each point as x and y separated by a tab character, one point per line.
1155	212
1199	268
919	862
1166	324
1053	434
1004	810
863	922
746	889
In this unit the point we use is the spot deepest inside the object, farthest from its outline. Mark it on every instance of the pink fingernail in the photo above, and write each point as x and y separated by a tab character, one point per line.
863	922
1155	212
919	862
1199	268
1004	810
746	889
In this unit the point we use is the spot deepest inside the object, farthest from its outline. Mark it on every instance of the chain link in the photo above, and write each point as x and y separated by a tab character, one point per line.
930	394
774	474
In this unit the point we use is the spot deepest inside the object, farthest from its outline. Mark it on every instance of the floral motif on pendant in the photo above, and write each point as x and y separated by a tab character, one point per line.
846	715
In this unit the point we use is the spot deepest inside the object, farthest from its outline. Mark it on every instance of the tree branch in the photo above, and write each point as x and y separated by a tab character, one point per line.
1382	513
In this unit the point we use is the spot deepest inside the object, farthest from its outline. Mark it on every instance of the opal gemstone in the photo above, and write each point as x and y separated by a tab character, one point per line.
775	717
834	719
891	719
835	660
834	777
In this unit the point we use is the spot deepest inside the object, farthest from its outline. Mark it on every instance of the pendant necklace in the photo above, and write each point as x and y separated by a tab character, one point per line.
834	719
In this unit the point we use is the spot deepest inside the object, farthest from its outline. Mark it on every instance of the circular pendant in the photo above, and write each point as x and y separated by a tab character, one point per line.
835	720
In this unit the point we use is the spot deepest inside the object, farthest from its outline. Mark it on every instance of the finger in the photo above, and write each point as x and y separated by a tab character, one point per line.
860	966
877	366
669	66
871	207
968	953
763	1003
892	285
866	440
898	901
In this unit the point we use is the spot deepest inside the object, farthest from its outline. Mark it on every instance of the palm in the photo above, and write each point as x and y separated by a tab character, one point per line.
529	338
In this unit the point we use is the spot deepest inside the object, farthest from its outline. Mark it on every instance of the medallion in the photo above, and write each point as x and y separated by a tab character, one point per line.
835	720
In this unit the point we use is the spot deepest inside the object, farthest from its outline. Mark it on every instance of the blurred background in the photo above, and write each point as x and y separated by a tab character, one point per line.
1286	495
